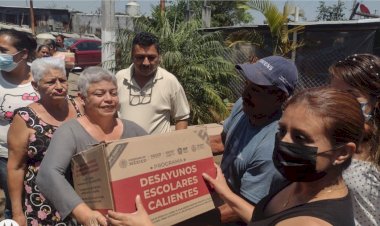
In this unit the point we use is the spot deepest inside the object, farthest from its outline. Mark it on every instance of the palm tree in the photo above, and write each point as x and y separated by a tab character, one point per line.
278	25
195	58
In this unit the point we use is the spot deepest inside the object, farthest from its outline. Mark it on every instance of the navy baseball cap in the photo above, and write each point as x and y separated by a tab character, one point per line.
272	71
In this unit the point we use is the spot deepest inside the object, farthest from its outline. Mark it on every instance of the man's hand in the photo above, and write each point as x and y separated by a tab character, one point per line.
181	124
216	143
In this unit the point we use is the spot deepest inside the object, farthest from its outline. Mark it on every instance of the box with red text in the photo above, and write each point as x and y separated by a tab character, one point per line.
165	170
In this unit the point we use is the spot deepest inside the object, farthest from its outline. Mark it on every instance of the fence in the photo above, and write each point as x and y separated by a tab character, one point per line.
323	45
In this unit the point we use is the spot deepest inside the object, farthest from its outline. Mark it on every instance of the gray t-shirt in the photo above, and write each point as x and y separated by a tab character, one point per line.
247	160
69	139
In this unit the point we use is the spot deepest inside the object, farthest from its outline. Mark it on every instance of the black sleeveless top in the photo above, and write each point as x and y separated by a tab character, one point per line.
334	211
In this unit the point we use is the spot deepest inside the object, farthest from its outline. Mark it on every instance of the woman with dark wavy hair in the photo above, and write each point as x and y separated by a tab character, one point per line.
17	49
360	75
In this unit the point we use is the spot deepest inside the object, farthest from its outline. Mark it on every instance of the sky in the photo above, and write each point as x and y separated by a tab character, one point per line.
88	6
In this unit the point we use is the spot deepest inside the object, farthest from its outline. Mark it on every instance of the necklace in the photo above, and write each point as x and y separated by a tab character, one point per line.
323	191
287	201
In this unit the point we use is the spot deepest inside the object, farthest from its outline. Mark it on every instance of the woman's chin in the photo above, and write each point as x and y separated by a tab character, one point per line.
109	112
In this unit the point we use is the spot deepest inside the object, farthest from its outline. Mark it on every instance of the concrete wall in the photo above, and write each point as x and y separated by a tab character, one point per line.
45	19
92	23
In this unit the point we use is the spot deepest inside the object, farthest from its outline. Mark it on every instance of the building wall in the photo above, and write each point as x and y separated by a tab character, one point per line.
60	20
45	19
92	23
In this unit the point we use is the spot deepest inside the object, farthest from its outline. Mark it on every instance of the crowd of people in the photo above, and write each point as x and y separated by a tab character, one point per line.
308	157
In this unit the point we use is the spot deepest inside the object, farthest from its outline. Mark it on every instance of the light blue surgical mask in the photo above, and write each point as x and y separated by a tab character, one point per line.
6	62
363	106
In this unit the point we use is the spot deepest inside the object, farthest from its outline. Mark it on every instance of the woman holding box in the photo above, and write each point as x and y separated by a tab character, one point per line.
98	91
315	143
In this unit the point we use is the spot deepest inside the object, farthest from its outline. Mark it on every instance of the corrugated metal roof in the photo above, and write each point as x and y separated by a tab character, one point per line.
361	21
27	7
304	23
16	27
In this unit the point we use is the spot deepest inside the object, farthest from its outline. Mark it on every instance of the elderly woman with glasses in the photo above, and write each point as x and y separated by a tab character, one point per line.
98	92
29	137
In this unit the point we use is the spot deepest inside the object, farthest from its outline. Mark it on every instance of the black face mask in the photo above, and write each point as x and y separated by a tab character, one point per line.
297	163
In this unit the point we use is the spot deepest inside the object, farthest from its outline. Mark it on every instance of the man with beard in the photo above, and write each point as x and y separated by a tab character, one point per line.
248	136
149	95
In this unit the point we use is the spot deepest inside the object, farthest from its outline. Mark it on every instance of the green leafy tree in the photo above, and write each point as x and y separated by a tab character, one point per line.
278	26
334	12
229	13
195	58
223	13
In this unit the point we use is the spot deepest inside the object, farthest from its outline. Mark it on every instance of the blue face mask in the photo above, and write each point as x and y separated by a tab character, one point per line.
363	106
6	62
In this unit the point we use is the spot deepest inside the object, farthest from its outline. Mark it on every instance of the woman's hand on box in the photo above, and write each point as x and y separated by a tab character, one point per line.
219	183
138	218
88	217
96	219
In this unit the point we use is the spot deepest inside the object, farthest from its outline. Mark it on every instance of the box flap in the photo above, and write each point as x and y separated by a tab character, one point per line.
91	178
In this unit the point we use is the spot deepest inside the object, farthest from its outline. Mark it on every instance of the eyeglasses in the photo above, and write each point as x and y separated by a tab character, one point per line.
139	97
142	58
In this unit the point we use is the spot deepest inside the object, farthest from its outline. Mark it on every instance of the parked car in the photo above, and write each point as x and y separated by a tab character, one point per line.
88	52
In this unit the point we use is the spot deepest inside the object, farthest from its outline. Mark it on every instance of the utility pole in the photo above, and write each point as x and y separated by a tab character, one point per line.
296	18
354	5
108	34
206	14
188	11
31	12
162	7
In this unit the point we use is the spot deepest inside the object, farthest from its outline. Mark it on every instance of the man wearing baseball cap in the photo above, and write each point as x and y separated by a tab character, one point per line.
248	136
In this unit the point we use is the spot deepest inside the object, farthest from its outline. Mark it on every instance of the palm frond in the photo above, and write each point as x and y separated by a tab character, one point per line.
244	37
296	29
278	25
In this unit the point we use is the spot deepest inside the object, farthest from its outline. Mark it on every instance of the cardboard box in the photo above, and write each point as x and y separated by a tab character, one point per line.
214	129
69	59
165	169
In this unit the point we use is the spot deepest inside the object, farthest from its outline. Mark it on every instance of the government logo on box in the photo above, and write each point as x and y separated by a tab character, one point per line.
8	222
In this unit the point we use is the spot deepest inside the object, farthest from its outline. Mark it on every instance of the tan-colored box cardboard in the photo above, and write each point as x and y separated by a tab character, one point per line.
164	169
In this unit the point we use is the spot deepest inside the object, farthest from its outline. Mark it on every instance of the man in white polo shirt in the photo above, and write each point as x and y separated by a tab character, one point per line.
149	95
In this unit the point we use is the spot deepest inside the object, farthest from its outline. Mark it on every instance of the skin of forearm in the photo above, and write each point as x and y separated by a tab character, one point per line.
182	124
86	216
227	214
15	187
81	213
239	206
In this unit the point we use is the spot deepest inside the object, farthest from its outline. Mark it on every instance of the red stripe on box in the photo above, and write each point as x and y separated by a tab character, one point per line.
162	189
